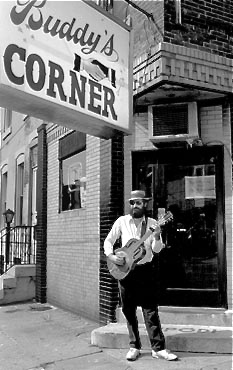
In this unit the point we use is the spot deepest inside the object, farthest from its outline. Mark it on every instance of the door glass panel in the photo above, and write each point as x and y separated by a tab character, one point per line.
188	191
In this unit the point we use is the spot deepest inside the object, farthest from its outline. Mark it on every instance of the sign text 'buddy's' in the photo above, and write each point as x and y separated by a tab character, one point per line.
66	62
88	41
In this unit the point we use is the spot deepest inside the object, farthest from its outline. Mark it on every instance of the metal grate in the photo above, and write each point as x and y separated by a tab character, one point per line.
170	120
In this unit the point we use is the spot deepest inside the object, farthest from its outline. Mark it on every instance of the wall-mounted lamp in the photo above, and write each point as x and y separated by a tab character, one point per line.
8	216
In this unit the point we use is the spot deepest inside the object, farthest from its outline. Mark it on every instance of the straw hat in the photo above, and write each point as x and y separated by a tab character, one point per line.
138	194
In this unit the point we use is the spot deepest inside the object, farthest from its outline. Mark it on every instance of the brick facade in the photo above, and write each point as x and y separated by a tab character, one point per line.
205	25
111	207
41	229
73	236
162	48
74	256
195	53
148	33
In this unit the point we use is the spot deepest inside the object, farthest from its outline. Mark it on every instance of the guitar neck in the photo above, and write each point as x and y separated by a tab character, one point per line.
167	217
145	236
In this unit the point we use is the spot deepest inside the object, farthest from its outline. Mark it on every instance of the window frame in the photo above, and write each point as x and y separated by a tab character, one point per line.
4	186
19	191
69	146
7	122
178	11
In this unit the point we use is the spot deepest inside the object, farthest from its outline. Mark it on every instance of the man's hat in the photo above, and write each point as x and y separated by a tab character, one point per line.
138	194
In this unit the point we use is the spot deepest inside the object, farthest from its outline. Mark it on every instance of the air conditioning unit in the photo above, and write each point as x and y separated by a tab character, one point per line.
173	122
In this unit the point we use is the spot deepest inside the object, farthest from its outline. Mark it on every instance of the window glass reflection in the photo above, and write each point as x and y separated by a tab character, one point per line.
190	257
74	181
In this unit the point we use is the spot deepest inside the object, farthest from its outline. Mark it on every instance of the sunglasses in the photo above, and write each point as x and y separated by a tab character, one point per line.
137	202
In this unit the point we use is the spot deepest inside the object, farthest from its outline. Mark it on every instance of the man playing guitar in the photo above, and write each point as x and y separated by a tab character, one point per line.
137	288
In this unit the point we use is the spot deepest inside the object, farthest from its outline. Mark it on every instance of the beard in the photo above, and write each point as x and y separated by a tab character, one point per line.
137	212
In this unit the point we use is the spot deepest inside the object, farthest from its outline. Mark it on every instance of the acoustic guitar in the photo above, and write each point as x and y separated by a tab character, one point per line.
134	250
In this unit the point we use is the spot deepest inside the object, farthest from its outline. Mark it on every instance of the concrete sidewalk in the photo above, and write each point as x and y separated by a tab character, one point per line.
41	337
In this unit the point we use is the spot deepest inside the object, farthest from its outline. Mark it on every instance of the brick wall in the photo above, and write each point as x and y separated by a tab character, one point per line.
111	207
206	25
75	257
73	237
146	32
41	230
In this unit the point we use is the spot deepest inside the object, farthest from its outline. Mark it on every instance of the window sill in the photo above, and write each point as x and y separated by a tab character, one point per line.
72	210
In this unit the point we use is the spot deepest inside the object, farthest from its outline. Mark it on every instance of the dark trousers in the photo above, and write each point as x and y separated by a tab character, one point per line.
139	289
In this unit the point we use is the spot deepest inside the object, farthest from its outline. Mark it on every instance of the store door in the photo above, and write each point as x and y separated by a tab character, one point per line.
189	183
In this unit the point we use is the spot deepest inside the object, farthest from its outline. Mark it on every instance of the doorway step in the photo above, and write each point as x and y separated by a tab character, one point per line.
203	330
18	284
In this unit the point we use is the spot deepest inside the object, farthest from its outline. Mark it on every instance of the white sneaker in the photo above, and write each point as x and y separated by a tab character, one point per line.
164	354
133	354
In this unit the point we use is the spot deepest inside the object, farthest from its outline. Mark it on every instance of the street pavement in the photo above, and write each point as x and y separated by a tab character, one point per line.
37	336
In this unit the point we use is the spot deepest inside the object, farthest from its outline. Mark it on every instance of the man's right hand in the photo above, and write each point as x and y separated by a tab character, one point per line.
117	259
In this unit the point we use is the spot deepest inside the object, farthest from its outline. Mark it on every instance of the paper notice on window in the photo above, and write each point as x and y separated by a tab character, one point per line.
200	187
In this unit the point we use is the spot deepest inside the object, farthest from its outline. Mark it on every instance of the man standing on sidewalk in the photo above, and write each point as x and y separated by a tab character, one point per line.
138	287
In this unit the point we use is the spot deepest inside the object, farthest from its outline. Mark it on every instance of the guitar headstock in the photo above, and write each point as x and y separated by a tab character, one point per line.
165	218
162	221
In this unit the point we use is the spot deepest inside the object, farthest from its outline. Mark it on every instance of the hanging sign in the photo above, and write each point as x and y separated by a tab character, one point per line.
66	62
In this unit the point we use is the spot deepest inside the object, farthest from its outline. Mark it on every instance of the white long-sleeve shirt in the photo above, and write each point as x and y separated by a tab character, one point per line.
125	227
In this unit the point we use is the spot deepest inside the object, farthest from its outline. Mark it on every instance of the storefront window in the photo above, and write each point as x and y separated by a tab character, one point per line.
186	184
74	182
72	155
189	193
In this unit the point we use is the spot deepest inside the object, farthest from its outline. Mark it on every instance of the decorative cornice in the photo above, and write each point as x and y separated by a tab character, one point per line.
185	66
57	132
